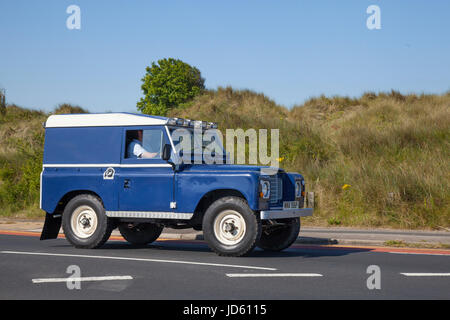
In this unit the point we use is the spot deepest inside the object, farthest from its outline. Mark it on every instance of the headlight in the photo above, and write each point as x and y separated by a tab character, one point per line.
298	189
265	189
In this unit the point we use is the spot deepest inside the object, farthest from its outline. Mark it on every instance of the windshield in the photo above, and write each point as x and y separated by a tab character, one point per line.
190	142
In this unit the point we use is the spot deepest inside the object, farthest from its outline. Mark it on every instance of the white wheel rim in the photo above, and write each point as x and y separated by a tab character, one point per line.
84	222
229	227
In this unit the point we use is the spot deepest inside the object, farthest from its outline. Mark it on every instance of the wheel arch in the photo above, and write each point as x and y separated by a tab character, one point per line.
208	198
69	196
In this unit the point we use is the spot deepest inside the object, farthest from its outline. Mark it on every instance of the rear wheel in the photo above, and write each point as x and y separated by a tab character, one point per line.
280	234
85	223
140	234
230	227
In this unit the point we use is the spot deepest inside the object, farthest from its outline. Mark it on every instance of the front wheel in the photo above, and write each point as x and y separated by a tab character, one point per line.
279	235
230	227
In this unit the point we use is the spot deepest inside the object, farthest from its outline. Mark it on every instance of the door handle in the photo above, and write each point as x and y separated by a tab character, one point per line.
126	184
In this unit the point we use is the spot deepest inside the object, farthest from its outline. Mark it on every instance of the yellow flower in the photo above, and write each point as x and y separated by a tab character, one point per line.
346	186
280	159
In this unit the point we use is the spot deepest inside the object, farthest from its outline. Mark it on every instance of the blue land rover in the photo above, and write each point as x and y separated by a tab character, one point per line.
122	170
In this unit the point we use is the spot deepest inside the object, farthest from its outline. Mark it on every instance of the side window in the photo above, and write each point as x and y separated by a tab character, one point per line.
144	144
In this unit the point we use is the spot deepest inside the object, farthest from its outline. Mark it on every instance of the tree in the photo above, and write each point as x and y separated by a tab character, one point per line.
167	84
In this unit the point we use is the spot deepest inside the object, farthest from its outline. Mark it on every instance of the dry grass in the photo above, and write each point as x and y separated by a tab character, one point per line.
392	149
21	148
234	109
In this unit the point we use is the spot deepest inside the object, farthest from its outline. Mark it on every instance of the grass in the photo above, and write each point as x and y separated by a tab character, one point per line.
379	160
391	150
21	149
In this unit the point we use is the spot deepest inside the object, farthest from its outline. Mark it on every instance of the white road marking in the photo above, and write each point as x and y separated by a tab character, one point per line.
108	278
256	275
138	259
426	274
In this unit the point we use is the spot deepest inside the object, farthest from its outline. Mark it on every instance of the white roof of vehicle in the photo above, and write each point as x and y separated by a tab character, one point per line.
103	120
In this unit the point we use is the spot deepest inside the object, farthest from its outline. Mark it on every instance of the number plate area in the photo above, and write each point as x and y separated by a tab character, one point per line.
287	205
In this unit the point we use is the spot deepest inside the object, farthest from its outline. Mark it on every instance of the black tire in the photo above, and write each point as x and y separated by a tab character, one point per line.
140	234
280	236
248	228
103	226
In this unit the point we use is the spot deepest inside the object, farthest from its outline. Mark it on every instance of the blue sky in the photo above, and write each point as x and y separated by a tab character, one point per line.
289	50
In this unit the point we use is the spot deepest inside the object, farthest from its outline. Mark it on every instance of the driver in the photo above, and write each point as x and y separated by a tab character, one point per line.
135	149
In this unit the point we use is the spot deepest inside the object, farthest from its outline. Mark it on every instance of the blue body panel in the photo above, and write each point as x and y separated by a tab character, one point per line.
149	189
57	182
79	146
194	181
83	145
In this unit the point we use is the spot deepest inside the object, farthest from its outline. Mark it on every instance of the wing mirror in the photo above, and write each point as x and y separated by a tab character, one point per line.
167	151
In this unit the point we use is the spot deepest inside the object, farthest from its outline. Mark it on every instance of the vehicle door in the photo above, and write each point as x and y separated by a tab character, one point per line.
145	184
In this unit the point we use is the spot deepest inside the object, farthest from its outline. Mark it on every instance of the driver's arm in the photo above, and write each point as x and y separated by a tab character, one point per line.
141	153
148	155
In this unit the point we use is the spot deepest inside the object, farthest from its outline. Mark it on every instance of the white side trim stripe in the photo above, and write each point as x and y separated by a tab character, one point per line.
106	165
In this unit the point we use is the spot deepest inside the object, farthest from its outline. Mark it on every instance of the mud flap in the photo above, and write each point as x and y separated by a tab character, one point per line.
51	226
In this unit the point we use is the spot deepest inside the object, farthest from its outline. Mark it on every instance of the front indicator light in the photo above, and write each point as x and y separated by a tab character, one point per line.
298	189
265	189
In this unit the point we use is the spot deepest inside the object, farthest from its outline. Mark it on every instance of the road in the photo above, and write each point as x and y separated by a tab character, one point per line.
176	269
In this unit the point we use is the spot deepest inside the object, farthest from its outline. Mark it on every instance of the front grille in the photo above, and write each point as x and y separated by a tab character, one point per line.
276	189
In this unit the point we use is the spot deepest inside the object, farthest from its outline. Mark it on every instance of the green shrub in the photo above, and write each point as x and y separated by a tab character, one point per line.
168	84
21	176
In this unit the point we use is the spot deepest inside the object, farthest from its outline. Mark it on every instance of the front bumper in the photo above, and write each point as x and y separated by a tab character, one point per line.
284	214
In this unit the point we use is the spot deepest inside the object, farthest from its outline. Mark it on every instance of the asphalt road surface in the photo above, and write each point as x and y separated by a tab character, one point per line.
175	269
